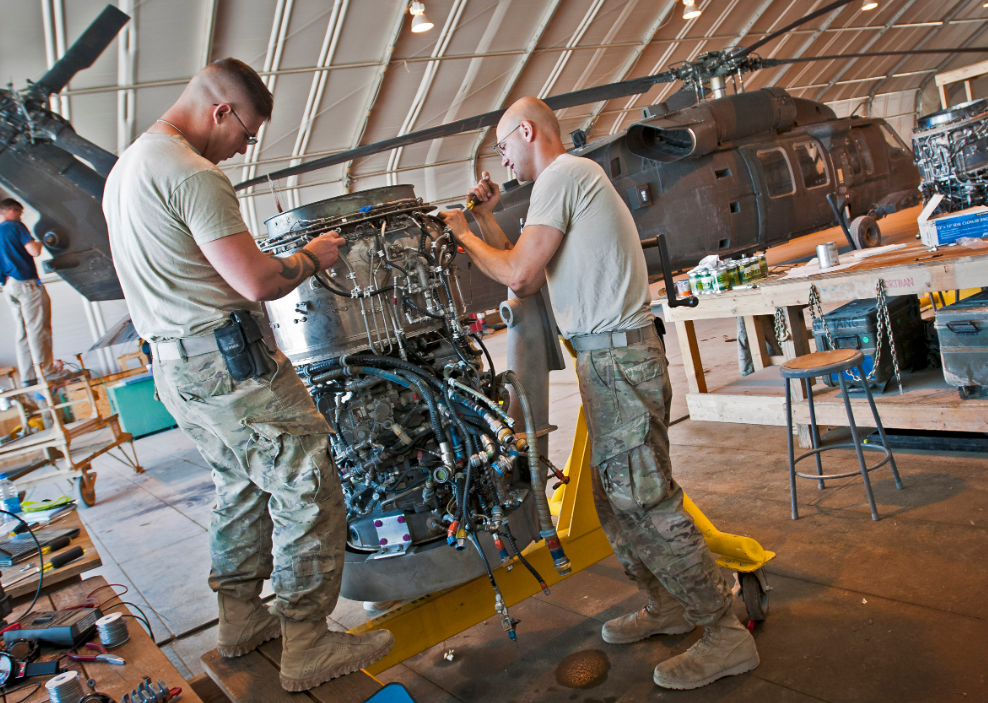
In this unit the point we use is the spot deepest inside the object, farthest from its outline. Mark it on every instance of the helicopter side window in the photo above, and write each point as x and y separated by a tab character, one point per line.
778	172
812	165
862	144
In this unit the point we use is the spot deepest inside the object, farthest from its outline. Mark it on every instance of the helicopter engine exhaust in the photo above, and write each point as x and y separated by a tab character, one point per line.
435	473
698	130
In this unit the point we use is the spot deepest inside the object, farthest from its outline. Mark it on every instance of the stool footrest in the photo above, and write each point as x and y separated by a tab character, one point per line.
849	474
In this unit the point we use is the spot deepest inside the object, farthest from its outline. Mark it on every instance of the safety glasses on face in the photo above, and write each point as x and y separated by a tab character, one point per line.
499	147
251	139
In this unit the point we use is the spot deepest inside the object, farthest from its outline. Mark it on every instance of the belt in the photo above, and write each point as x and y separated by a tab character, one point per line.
175	349
607	340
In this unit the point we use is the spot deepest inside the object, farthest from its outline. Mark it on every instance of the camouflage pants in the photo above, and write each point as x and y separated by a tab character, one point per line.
626	396
279	507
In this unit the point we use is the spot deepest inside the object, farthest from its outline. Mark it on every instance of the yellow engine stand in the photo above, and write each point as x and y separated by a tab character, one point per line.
427	621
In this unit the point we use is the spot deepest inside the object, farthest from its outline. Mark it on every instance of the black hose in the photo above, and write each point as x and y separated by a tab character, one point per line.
331	289
524	562
409	303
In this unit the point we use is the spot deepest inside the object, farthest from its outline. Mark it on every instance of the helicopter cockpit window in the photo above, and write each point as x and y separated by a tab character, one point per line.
778	172
812	165
894	142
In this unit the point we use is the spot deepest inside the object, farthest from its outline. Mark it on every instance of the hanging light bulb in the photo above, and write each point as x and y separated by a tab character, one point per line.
868	5
690	10
420	23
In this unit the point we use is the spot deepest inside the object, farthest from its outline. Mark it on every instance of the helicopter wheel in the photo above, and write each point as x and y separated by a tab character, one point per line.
865	232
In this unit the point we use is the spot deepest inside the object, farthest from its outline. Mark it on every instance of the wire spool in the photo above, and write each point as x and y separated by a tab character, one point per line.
64	688
112	630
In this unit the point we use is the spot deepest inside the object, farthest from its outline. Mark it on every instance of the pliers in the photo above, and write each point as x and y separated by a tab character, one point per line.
101	657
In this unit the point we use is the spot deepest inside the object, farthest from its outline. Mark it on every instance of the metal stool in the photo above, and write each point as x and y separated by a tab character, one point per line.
825	363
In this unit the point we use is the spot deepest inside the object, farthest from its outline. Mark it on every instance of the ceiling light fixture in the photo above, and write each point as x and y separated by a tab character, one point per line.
868	5
690	10
420	23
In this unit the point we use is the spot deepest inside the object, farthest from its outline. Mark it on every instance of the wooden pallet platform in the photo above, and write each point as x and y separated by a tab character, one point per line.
253	678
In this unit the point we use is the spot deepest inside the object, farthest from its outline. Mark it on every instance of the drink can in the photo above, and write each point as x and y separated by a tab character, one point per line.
682	288
763	265
706	282
734	272
694	281
721	280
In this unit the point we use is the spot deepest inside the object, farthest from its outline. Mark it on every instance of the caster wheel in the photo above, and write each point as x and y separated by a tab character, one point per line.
755	598
966	392
85	489
865	232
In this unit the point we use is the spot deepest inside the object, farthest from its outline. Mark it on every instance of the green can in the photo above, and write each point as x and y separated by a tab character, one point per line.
734	272
721	280
763	265
694	277
752	269
744	270
706	282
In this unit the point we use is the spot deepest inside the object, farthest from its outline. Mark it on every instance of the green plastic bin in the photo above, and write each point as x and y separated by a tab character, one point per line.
140	414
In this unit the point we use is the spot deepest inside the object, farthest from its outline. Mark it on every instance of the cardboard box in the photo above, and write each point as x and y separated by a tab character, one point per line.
948	228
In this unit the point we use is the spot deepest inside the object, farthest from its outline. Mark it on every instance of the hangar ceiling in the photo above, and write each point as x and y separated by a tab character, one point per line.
350	72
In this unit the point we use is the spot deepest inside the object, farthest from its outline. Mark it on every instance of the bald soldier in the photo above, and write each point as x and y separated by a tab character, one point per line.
193	278
580	238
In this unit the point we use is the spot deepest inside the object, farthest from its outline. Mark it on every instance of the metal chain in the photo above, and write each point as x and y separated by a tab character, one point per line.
883	324
781	328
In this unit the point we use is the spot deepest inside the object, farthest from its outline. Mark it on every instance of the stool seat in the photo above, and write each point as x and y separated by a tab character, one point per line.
822	363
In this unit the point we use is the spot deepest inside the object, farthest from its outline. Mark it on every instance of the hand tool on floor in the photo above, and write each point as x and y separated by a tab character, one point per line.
103	656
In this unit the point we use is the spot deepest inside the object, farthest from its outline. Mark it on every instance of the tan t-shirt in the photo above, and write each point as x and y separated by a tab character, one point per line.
161	201
598	281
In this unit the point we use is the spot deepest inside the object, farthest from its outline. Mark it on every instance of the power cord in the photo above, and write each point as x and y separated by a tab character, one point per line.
41	560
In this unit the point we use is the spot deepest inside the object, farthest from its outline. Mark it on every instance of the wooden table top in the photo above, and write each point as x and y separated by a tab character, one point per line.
142	656
913	269
89	560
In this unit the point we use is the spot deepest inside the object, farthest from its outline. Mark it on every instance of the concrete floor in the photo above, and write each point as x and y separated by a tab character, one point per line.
860	611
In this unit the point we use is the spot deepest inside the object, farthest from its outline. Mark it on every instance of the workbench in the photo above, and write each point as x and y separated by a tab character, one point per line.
927	401
55	578
143	658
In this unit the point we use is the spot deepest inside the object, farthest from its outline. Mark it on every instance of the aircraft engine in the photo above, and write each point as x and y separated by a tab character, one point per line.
696	131
951	149
427	455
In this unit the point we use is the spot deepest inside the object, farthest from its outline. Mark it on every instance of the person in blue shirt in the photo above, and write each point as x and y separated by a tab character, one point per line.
29	303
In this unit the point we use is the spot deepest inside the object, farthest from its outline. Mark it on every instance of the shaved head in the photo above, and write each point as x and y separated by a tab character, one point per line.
230	81
532	110
528	138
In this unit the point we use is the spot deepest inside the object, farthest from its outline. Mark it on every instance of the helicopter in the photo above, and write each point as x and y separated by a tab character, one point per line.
716	173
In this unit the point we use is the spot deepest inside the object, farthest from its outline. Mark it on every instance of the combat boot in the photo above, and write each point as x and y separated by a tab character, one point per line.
244	625
312	654
662	615
726	649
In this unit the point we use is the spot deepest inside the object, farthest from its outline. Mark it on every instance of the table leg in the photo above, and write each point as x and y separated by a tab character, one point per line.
756	342
797	345
695	380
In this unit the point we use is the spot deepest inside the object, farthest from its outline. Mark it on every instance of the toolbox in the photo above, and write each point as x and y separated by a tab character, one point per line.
855	326
963	332
140	413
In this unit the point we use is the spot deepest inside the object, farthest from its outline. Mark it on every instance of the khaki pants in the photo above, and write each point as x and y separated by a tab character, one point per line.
279	506
626	396
30	307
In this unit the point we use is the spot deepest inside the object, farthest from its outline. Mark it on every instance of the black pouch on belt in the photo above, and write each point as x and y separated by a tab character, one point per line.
241	345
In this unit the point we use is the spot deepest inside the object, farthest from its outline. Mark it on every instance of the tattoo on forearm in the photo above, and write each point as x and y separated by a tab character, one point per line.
291	266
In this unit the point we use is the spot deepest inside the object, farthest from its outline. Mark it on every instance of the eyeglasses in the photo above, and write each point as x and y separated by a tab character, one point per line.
499	147
251	139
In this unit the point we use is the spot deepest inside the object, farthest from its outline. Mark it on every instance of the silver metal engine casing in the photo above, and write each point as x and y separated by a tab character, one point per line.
311	323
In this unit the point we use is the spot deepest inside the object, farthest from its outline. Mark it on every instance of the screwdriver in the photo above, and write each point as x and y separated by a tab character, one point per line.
473	201
57	561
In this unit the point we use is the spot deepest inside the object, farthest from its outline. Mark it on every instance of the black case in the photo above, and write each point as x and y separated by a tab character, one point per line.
855	326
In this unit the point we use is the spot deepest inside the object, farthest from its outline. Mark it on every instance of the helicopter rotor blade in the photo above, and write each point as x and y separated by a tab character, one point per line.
789	27
86	49
770	63
609	91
